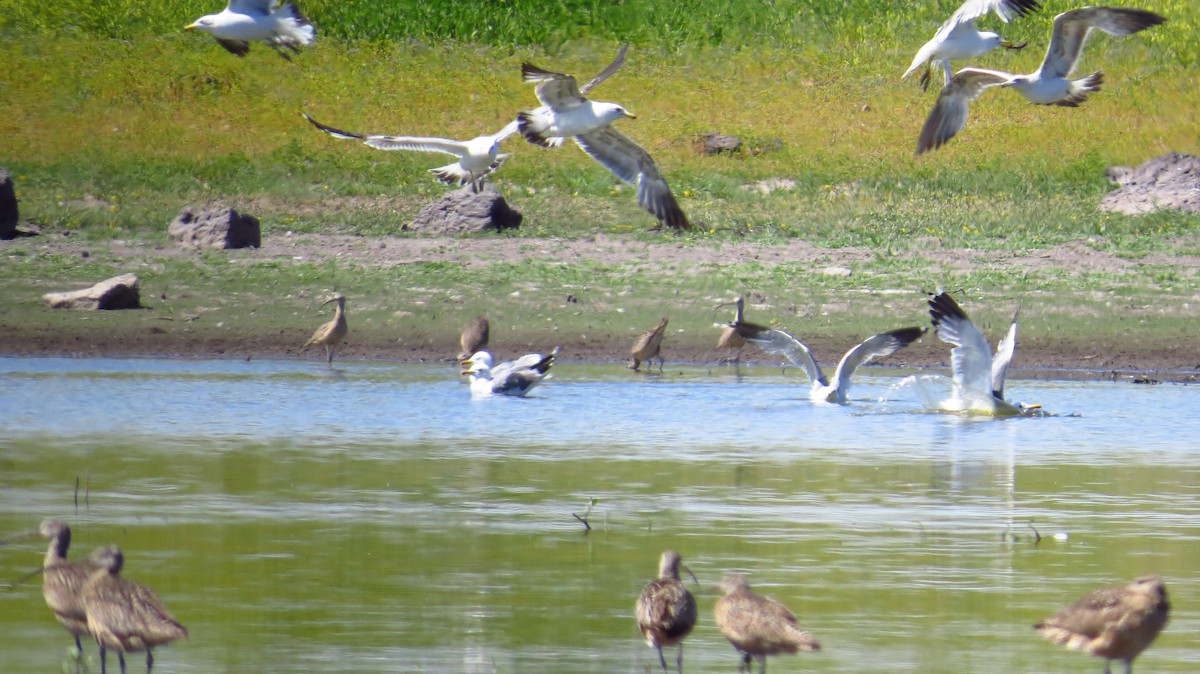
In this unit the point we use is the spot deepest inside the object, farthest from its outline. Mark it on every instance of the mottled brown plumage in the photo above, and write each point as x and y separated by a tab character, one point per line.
647	347
63	581
758	626
1114	623
124	615
734	335
332	333
474	337
666	611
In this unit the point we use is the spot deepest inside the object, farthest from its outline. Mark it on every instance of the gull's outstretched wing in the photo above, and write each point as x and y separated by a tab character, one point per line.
876	346
380	142
629	162
1003	357
556	91
607	72
971	357
949	114
251	7
1071	30
780	343
1005	9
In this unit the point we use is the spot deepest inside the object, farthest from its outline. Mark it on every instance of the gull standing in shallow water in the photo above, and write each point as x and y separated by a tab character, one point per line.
476	157
1114	623
834	390
978	376
1048	86
565	113
510	378
958	38
244	21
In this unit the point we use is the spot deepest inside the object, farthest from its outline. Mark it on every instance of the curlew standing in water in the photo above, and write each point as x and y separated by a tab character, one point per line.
757	626
63	581
735	334
1114	623
648	346
332	333
124	615
666	611
474	337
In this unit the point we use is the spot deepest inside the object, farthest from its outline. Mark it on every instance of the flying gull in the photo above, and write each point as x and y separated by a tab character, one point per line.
565	113
978	375
281	26
476	157
544	112
1049	85
834	390
510	378
958	38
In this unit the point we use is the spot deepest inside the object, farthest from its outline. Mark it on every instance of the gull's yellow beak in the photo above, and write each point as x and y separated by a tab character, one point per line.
191	26
630	115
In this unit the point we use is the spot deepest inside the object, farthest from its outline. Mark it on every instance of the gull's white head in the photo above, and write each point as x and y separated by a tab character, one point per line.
205	24
610	112
480	360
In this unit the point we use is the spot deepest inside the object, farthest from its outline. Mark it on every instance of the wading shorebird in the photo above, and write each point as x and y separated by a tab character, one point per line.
280	26
1114	623
757	626
332	333
958	38
1050	85
834	390
666	611
735	334
477	157
978	376
63	581
648	347
124	615
474	337
565	113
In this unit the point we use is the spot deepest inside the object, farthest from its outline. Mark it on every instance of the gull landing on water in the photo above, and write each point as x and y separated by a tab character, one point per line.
834	390
476	157
1050	85
565	113
959	39
978	375
281	26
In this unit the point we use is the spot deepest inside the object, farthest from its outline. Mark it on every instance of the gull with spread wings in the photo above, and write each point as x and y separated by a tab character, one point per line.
1050	85
958	38
834	390
281	26
565	113
476	157
978	375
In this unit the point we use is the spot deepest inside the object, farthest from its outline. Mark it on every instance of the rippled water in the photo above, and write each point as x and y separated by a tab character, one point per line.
372	518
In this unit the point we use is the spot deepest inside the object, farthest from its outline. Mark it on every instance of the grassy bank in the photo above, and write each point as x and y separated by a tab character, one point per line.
112	119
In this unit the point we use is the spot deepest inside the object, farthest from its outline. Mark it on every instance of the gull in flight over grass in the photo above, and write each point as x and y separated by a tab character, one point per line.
565	113
834	390
1050	85
544	112
281	26
958	38
476	157
978	375
510	378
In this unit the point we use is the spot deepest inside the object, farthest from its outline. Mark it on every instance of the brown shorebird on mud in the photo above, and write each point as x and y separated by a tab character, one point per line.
666	611
757	626
474	337
735	334
332	333
1114	623
648	347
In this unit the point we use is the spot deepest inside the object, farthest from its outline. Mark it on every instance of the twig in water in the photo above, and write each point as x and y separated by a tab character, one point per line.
1037	537
586	514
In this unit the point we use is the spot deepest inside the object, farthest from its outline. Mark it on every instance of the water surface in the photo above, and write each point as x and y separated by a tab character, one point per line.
371	517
